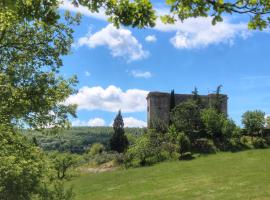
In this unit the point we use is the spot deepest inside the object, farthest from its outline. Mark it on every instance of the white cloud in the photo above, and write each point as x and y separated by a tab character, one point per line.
109	99
120	42
91	122
199	32
133	122
150	38
191	33
67	5
87	73
141	74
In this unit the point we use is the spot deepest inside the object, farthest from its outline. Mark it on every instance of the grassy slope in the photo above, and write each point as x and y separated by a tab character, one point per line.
244	175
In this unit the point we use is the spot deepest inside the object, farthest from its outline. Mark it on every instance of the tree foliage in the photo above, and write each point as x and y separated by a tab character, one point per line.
140	13
253	121
32	41
183	144
26	171
213	122
186	117
62	162
118	141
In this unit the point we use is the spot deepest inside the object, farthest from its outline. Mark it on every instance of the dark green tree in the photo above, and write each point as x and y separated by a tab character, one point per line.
118	141
172	104
186	118
196	98
172	100
217	101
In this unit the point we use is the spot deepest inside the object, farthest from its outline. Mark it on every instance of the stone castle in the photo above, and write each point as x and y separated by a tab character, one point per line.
158	104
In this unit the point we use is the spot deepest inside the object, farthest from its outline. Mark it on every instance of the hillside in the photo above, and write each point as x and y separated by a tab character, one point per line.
243	175
76	139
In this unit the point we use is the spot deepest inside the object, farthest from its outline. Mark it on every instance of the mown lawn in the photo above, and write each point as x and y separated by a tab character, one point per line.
244	175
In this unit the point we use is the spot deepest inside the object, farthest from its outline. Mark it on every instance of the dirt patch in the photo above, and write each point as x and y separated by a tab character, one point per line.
110	166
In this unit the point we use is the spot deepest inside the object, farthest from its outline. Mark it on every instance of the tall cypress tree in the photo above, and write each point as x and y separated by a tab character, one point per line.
172	100
118	141
196	98
172	105
217	104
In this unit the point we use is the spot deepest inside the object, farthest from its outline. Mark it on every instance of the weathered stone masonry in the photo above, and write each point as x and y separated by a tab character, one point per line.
158	104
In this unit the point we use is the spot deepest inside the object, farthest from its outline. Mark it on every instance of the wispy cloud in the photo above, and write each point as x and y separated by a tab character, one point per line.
141	74
87	73
150	38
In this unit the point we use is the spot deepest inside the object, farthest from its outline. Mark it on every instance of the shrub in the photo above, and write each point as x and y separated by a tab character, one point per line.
183	144
141	153
95	149
244	140
213	122
25	170
259	143
229	128
203	145
147	150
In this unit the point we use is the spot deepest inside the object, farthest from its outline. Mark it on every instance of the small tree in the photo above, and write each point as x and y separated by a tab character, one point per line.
213	122
186	117
183	144
119	141
62	163
253	122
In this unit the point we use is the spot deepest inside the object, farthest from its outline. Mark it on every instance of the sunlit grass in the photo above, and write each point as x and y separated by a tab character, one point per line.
243	175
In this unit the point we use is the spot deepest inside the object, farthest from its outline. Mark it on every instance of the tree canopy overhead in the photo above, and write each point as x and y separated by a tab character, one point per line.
141	13
33	39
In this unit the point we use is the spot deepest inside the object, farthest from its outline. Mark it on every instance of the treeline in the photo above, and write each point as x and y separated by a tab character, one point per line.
75	139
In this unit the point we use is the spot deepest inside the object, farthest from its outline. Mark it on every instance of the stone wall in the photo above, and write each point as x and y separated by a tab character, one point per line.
158	104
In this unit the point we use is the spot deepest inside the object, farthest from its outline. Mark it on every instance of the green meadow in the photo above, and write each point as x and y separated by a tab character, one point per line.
243	175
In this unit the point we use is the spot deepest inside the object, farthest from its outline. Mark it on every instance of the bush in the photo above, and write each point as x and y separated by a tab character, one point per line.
259	143
244	140
213	122
95	149
140	154
203	145
104	157
25	171
183	144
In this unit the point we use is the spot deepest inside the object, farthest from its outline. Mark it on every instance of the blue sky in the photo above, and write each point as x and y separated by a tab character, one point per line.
117	68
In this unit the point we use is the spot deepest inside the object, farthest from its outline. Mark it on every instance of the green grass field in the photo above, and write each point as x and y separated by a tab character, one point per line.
244	175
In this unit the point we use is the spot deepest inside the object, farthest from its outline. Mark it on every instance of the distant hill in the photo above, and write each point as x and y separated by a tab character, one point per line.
76	139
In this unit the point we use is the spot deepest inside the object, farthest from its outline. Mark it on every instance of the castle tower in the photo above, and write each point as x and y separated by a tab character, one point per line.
158	104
